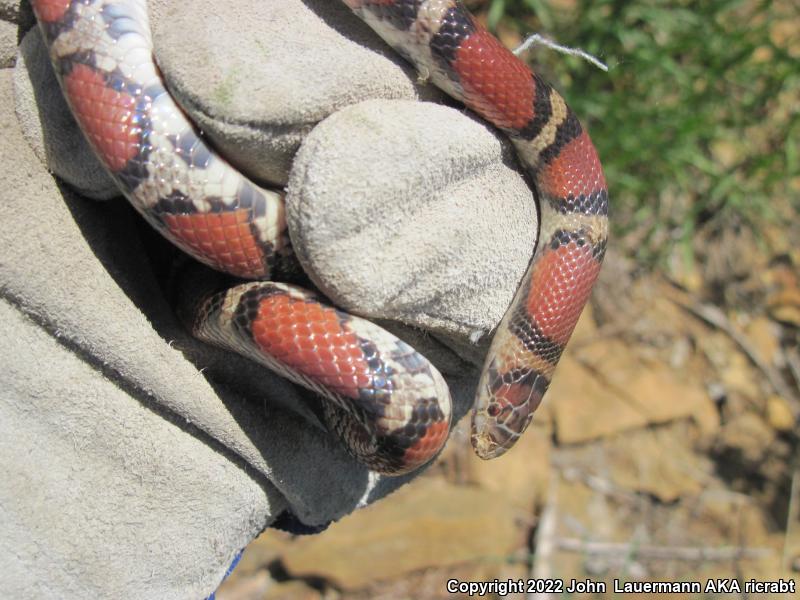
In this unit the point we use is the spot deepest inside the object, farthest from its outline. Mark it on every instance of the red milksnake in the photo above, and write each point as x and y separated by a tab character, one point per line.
390	406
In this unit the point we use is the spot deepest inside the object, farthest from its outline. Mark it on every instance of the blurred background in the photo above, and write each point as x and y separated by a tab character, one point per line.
667	448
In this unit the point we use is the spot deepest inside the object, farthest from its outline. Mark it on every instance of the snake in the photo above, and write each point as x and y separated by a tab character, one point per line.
387	403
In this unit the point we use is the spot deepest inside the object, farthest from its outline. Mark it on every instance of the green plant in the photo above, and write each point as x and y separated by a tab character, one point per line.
698	118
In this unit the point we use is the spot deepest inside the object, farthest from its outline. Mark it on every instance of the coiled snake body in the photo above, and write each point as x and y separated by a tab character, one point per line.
390	406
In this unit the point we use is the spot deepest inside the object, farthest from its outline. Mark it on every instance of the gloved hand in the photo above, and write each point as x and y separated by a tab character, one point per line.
136	436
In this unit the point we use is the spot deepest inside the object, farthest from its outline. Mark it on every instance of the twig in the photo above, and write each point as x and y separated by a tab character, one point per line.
598	484
545	538
714	316
604	332
545	41
685	553
792	534
793	360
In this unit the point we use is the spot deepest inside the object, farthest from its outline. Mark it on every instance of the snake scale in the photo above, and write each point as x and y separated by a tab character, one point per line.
388	404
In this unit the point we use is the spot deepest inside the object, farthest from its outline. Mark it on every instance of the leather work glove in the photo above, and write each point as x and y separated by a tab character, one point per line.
124	441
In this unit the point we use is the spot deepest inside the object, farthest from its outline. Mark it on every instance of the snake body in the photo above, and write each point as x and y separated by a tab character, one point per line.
389	405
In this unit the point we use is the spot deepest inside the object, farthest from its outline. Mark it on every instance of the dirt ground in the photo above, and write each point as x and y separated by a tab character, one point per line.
666	451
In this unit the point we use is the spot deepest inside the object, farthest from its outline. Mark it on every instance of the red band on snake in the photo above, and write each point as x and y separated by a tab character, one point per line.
390	406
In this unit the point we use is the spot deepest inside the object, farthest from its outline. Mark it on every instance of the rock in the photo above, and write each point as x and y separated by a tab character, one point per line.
262	552
731	516
684	271
291	590
664	396
727	257
785	307
739	376
583	408
777	238
586	329
680	352
620	392
783	33
586	512
656	462
248	587
779	414
589	506
749	436
717	347
430	584
433	525
721	517
726	152
791	550
260	586
520	475
783	301
764	335
707	419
